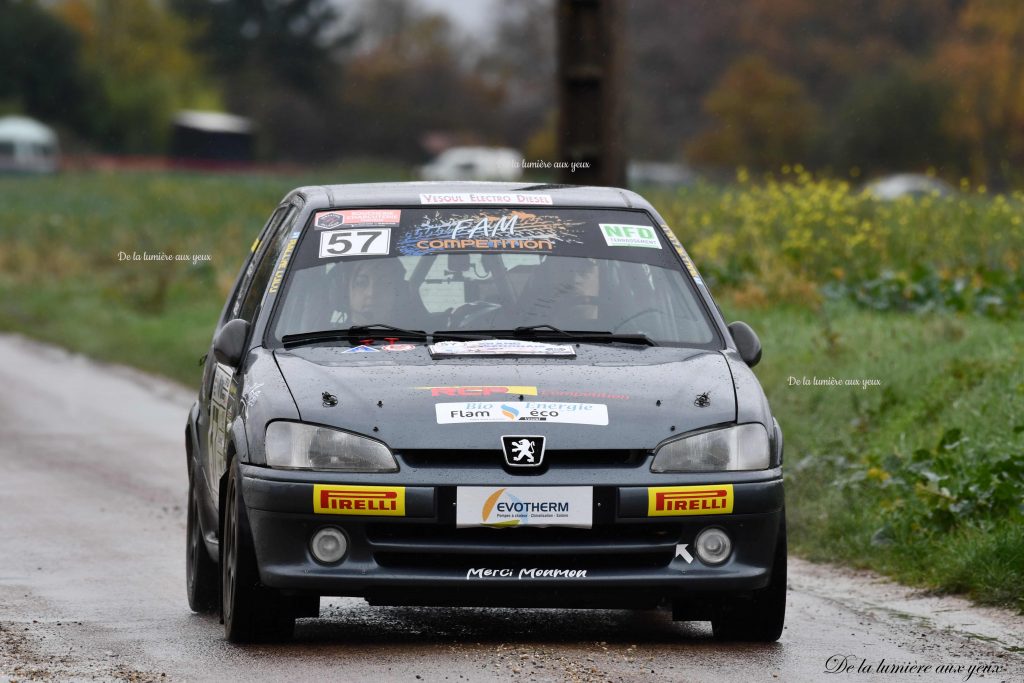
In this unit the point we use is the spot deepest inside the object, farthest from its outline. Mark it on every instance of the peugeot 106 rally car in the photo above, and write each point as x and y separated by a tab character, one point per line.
481	394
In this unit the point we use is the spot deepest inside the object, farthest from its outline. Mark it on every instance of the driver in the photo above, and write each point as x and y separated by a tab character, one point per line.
566	293
378	293
582	288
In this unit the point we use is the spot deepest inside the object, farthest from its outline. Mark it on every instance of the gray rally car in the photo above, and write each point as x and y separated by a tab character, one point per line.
481	394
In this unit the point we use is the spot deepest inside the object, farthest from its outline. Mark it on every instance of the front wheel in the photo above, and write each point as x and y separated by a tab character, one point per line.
761	617
200	569
251	612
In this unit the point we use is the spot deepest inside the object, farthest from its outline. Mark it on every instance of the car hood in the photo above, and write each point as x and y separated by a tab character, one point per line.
648	393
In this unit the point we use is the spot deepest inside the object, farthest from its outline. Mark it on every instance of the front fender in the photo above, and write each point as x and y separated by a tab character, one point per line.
239	442
191	440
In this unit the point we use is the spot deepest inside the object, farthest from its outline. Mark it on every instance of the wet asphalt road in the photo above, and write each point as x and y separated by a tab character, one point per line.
92	532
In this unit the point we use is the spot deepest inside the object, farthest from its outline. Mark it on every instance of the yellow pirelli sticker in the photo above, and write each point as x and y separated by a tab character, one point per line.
668	501
275	284
359	500
674	241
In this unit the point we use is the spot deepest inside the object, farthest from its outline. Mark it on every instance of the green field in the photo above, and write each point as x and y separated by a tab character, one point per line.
920	475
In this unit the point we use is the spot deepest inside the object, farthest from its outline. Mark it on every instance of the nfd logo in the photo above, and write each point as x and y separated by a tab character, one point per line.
359	500
664	501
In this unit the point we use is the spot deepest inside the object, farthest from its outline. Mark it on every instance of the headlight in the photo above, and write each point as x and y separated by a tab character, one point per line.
295	446
744	447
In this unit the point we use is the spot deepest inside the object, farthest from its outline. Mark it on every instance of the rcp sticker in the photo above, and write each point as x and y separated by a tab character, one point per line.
355	242
617	235
475	391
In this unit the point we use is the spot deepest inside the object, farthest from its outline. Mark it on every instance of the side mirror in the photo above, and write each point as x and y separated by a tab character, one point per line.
229	343
747	342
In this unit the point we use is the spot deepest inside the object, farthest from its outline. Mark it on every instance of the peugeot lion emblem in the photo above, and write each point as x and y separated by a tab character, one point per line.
523	451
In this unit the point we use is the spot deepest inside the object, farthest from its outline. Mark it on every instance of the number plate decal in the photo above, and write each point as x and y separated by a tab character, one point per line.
355	242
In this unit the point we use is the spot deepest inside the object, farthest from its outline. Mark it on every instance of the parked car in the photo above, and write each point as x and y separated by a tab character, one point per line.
892	187
659	174
475	163
481	394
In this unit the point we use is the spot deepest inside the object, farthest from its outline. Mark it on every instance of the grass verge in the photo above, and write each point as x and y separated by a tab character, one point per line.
921	476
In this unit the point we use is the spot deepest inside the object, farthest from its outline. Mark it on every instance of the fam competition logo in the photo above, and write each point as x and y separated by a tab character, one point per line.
501	231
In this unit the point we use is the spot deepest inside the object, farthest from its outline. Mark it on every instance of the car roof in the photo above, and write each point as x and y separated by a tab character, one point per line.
408	193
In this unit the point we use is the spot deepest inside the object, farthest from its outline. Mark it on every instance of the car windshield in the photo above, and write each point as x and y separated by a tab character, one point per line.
491	270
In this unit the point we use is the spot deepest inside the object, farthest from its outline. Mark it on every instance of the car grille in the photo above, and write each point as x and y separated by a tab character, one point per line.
555	459
619	546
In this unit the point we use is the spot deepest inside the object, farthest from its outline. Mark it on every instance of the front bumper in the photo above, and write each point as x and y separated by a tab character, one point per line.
626	559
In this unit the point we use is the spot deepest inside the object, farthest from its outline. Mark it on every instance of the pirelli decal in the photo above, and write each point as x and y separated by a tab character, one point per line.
667	501
359	500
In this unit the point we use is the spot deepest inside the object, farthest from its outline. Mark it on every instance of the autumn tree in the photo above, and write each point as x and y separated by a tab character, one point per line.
838	55
137	55
762	118
984	63
409	77
675	54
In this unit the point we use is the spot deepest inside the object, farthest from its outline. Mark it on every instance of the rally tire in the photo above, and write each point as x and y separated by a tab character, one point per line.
760	618
201	575
251	612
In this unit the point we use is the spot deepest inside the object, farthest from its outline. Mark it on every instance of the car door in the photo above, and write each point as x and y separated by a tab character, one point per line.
223	387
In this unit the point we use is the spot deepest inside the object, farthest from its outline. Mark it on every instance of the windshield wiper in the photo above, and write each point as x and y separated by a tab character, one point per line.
354	333
584	336
374	331
535	330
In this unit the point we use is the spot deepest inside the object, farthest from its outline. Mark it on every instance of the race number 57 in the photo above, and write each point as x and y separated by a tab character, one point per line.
365	242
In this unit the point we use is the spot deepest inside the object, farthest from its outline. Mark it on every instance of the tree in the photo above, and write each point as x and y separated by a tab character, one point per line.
891	122
675	53
137	56
762	118
41	75
409	78
290	41
278	62
680	49
984	63
518	64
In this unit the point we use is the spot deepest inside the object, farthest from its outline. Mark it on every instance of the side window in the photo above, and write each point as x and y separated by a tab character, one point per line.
259	248
267	260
